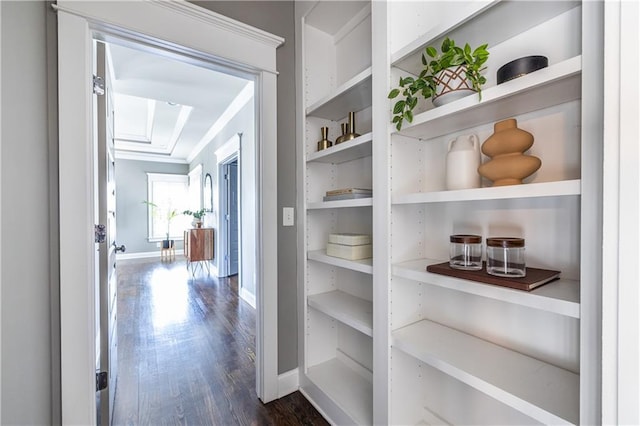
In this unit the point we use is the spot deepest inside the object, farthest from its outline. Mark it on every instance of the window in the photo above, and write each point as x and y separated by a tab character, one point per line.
170	194
195	187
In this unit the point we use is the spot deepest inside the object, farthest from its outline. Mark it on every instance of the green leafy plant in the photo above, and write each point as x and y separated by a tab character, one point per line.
427	82
170	214
198	214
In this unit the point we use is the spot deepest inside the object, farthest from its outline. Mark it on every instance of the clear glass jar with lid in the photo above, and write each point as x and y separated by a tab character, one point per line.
465	252
505	257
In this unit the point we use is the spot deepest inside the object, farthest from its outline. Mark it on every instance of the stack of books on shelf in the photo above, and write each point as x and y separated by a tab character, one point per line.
350	246
347	194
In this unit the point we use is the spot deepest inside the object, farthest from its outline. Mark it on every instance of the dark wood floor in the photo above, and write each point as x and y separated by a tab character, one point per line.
187	352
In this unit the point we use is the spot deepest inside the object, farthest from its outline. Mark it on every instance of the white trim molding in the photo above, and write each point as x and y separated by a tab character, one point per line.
188	38
288	382
248	297
139	255
621	201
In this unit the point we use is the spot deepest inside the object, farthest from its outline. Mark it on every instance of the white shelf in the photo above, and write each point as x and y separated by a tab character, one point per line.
505	19
358	202
350	310
542	391
347	388
557	84
561	296
364	265
354	95
359	147
530	190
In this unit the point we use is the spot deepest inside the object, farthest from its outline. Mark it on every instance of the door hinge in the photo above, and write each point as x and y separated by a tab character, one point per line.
98	85
102	380
100	232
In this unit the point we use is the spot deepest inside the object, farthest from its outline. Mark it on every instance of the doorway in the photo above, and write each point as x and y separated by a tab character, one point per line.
78	24
230	211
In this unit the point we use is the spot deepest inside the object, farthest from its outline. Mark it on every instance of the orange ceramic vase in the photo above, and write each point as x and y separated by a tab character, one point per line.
506	147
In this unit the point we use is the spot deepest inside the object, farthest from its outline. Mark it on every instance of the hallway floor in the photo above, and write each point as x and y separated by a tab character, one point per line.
187	352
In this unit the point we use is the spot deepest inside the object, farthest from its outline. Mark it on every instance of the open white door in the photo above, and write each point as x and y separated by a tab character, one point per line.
106	329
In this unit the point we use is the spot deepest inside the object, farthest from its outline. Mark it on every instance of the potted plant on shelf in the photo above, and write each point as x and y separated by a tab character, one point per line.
197	216
171	214
453	73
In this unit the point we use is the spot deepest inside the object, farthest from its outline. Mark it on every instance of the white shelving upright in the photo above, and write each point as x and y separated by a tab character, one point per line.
336	312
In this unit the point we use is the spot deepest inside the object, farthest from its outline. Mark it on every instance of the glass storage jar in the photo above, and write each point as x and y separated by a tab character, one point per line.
505	257
465	252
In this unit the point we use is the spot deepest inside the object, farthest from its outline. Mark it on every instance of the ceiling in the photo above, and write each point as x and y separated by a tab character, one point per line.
166	110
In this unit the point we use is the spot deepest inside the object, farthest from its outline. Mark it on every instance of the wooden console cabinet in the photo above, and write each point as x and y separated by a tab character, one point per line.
198	245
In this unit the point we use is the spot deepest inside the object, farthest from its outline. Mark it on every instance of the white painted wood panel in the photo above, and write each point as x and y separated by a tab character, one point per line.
354	149
364	265
542	391
349	390
348	309
561	296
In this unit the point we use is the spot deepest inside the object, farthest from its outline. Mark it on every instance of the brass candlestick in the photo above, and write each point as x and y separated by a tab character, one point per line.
324	143
352	128
345	130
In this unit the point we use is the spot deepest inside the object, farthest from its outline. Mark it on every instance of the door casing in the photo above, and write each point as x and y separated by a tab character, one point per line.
247	51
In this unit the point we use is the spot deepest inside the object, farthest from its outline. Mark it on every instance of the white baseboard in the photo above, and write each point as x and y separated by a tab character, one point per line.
248	297
288	382
140	255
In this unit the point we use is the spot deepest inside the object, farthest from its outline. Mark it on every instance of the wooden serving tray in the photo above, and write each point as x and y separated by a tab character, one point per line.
535	277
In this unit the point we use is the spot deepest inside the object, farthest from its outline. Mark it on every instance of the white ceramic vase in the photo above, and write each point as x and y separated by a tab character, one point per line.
463	160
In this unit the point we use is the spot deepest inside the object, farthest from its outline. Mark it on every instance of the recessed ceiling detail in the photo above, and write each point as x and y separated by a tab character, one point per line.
164	108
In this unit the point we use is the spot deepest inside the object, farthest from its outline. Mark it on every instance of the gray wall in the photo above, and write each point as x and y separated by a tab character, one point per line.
131	214
277	17
24	195
28	284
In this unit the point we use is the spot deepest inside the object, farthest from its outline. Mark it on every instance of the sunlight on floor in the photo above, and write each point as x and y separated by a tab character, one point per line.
170	296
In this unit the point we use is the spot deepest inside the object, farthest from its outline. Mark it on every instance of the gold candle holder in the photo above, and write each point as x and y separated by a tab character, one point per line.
324	143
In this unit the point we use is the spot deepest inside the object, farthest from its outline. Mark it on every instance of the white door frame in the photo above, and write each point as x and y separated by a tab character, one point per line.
192	34
226	153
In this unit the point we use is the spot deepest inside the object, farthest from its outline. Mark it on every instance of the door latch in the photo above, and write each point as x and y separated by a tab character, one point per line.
98	85
102	380
100	232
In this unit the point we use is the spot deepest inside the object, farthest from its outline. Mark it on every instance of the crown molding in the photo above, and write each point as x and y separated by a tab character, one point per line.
220	21
156	158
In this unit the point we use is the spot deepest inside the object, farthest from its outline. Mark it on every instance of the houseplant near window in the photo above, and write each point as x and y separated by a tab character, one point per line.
442	78
171	214
197	216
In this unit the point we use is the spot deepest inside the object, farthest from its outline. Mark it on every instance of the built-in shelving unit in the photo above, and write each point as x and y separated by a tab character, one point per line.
557	84
354	95
348	309
358	202
534	190
354	149
364	265
351	391
335	364
384	341
540	390
560	297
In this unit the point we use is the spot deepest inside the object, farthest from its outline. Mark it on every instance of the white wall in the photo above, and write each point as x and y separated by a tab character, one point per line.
24	197
242	122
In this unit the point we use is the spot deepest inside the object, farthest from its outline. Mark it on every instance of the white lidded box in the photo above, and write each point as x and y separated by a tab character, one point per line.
363	251
350	239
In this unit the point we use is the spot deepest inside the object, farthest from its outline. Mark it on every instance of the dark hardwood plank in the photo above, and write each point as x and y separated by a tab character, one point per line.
187	352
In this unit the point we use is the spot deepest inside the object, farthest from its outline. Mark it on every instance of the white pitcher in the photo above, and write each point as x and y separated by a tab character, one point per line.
463	160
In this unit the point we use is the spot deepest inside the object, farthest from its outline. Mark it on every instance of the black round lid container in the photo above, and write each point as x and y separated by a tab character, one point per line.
519	67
